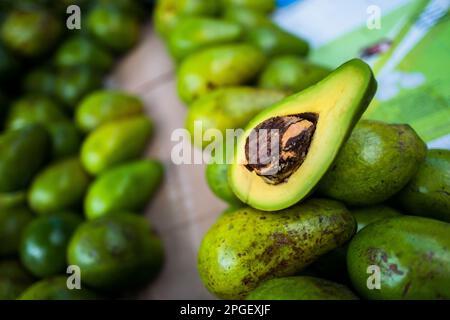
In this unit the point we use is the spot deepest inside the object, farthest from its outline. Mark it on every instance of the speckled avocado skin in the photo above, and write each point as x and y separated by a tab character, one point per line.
301	288
248	246
412	253
377	161
428	192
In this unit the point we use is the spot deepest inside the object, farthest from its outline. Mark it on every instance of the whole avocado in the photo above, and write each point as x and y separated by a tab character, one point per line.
23	152
221	66
59	187
115	252
44	243
249	246
14	279
412	254
377	161
301	288
30	33
115	143
103	106
428	192
12	223
56	289
125	188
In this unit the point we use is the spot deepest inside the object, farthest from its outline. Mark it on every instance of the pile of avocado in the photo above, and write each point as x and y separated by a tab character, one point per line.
349	209
71	179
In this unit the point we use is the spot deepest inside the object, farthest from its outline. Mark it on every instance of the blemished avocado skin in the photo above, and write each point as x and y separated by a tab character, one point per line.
12	223
301	288
229	108
61	186
115	143
338	102
14	279
56	289
193	34
116	252
333	265
263	6
291	73
274	41
248	246
168	12
44	243
103	106
125	188
428	192
412	254
23	152
217	179
217	67
377	161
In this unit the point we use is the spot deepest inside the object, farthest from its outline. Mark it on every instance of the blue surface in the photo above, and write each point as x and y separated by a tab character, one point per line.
283	3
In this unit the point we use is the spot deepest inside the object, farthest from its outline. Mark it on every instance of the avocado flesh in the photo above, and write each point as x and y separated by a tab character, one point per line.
338	102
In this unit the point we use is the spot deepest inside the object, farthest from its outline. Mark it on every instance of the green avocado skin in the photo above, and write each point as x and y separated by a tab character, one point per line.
229	108
80	50
113	28
412	254
217	178
14	279
248	246
169	12
11	200
66	139
61	186
428	192
274	41
40	81
333	265
301	288
263	6
116	252
377	161
55	288
125	188
103	106
12	223
291	73
247	18
30	33
193	34
114	143
44	243
22	153
217	67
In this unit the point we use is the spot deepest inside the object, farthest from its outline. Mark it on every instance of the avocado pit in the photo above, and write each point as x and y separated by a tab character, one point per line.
277	147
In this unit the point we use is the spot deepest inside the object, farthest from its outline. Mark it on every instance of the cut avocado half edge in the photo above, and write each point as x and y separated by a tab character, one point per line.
310	128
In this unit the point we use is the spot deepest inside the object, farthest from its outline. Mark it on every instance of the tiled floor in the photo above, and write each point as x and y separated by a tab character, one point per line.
184	208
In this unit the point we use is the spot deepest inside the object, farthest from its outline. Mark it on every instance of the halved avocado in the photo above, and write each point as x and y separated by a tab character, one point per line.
312	127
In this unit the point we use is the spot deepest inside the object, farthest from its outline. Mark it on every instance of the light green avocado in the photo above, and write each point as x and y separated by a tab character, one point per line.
301	288
12	223
14	279
246	247
56	289
377	161
104	106
428	192
22	153
125	188
263	6
116	252
168	12
317	121
412	254
222	66
247	18
115	143
228	108
291	73
217	178
195	33
274	41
